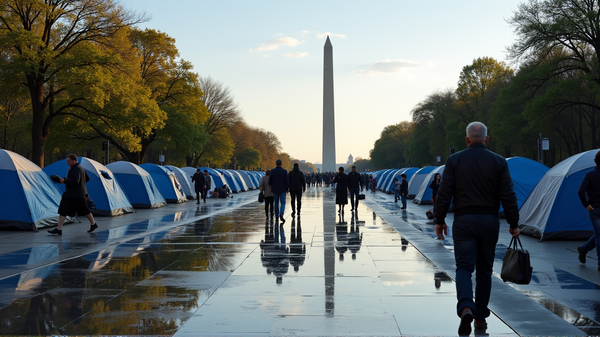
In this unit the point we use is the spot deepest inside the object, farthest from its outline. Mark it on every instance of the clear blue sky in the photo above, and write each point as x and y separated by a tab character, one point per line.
388	56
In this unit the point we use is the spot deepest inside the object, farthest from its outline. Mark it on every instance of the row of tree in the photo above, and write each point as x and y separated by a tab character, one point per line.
555	91
77	73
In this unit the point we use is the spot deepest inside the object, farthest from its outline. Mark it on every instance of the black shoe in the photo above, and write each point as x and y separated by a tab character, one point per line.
464	329
403	208
55	231
92	228
581	254
282	219
197	202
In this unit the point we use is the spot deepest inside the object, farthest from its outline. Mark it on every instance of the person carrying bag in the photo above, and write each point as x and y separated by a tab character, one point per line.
516	264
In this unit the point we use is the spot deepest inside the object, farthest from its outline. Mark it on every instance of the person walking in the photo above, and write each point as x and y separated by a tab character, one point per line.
199	185
341	190
74	199
297	187
403	190
477	181
589	194
397	186
354	182
435	186
280	185
207	183
267	194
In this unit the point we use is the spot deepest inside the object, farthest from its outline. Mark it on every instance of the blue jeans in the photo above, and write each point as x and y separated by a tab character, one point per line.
396	195
594	241
403	198
475	237
279	199
353	196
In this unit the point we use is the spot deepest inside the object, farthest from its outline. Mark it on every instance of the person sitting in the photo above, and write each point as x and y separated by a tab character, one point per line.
224	192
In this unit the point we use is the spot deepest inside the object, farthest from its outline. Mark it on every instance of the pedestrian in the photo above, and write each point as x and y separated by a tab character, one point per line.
341	190
74	199
476	181
354	182
199	185
207	183
435	186
267	194
280	185
397	185
403	190
589	194
297	187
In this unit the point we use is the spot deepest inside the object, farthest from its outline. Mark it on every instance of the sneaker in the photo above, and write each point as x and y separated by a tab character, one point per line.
582	254
464	329
55	231
92	228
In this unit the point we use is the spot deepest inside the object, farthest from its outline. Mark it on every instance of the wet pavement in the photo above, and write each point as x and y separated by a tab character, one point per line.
222	269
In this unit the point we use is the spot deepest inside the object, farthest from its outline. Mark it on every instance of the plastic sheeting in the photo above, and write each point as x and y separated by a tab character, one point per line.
138	185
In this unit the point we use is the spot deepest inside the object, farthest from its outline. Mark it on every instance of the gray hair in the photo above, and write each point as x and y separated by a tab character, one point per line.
476	131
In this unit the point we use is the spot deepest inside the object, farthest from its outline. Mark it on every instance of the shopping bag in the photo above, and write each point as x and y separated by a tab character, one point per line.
516	264
261	196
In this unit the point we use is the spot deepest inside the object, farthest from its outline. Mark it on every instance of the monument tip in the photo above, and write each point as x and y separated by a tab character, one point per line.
328	42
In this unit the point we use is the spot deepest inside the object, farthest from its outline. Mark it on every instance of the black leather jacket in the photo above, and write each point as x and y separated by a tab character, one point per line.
478	180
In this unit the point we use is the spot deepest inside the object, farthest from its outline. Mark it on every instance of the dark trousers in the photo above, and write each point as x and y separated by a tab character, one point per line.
198	195
475	237
296	200
269	206
353	195
403	198
205	192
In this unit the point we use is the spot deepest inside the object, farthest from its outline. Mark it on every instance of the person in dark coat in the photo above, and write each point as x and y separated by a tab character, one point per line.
297	187
589	195
403	190
280	185
199	185
354	182
435	186
341	190
74	199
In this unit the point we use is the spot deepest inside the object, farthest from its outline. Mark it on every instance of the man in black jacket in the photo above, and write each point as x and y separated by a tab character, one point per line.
354	182
403	190
199	185
478	180
74	198
297	186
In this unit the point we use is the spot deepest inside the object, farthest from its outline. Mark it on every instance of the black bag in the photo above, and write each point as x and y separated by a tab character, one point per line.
91	204
430	214
261	196
516	266
361	196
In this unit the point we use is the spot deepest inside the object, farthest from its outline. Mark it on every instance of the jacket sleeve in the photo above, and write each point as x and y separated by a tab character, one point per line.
508	198
261	185
582	191
444	195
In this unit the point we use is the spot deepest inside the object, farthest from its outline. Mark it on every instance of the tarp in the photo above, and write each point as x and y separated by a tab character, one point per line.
423	196
138	185
414	184
186	182
553	210
525	174
109	197
167	183
29	198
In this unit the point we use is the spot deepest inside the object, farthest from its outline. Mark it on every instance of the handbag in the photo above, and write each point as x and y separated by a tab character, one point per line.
516	265
261	196
361	196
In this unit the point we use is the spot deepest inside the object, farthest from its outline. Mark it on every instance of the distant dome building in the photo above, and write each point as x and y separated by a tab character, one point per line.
350	159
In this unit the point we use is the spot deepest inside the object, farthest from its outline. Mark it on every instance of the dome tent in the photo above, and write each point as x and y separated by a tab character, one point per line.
525	174
186	182
553	210
109	197
167	183
217	178
138	185
409	171
231	180
33	199
386	179
423	196
417	179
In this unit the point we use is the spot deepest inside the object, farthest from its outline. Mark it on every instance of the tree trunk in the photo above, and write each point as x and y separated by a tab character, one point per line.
38	133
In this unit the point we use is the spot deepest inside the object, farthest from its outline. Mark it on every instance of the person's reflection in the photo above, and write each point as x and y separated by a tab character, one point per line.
297	247
404	244
266	247
201	229
341	235
274	252
440	277
39	319
354	237
74	275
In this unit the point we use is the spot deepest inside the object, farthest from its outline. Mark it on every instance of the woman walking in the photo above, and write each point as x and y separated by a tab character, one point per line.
341	190
268	195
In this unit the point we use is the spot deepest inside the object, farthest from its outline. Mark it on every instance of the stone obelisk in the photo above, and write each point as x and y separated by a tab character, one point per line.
328	111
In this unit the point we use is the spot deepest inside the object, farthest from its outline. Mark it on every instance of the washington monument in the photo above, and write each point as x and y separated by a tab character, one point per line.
328	111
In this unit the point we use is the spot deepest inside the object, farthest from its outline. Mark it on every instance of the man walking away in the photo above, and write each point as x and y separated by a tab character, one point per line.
478	180
297	186
354	182
403	190
74	198
589	194
199	185
280	185
207	183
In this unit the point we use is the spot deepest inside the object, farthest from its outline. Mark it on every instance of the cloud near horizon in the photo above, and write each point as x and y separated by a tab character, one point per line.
274	44
324	35
298	55
389	66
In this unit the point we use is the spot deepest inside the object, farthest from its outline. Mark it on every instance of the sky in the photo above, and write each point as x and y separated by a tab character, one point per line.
388	55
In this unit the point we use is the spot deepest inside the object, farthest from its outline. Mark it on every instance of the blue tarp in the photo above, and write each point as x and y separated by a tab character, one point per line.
138	185
106	192
553	210
414	184
167	183
29	199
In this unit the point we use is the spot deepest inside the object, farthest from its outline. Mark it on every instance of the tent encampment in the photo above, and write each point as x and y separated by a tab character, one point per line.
389	184
29	199
232	181
167	183
185	180
138	185
247	179
423	196
107	194
553	210
414	184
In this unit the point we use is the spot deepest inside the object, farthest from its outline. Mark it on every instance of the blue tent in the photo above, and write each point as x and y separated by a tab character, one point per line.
251	179
167	183
106	192
185	180
553	210
525	174
232	182
414	184
386	178
29	199
237	176
217	178
138	185
389	184
423	196
256	177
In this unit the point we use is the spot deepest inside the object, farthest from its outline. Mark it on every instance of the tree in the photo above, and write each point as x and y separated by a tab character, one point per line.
389	150
50	41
